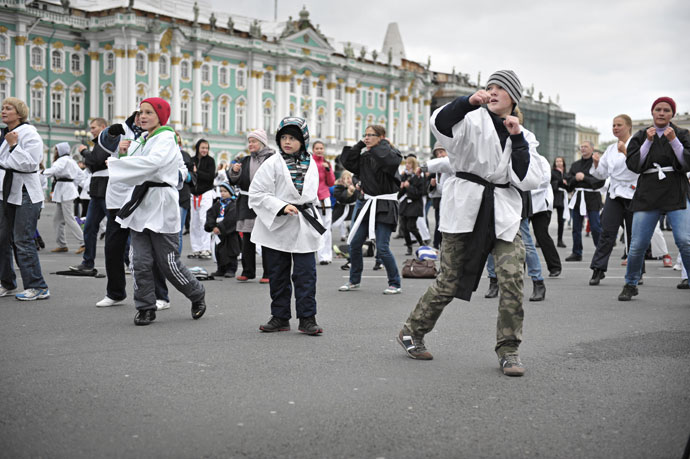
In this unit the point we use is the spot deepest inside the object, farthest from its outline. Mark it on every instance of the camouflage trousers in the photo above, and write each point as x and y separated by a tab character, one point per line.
510	259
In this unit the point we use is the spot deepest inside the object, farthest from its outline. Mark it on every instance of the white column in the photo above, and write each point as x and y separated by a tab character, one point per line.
154	58
131	78
120	93
196	88
94	80
282	107
403	120
258	101
350	91
20	62
415	121
330	108
426	116
298	96
175	96
391	111
312	96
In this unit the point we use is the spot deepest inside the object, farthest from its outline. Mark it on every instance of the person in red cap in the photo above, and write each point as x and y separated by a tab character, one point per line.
155	169
661	155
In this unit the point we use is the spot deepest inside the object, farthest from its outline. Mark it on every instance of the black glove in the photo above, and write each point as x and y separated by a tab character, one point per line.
116	129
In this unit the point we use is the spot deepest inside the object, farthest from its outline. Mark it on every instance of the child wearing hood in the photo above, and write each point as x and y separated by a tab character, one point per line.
221	220
65	171
283	195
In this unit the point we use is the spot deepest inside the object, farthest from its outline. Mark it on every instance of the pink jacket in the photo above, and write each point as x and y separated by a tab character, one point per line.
326	177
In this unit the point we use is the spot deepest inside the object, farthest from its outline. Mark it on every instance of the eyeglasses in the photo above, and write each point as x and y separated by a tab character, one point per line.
371	135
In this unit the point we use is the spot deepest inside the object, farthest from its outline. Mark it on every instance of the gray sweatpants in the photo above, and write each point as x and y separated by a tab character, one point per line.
149	248
64	216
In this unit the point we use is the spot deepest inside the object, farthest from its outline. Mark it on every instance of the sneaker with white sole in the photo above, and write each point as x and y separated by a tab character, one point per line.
107	302
31	294
392	290
162	305
7	291
511	365
347	287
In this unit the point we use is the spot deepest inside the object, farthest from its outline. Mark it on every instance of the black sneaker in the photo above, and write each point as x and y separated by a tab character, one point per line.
574	257
309	326
275	324
409	250
198	309
414	345
219	273
511	365
597	276
377	266
81	267
346	266
145	317
683	285
628	292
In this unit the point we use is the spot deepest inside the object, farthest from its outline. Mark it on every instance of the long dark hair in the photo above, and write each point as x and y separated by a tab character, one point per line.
565	167
197	157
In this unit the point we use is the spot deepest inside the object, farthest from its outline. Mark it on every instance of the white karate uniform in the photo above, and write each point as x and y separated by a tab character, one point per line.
64	195
26	156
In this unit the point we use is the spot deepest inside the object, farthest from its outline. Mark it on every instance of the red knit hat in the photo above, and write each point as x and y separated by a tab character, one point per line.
161	107
668	100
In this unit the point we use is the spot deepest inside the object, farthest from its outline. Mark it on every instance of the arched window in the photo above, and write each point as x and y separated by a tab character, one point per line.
56	60
163	66
319	124
3	45
240	117
185	109
206	114
305	86
108	101
223	76
339	92
37	102
206	73
140	63
339	125
292	85
268	116
370	99
75	63
224	114
57	104
75	107
319	89
36	57
358	127
109	64
240	79
184	70
268	81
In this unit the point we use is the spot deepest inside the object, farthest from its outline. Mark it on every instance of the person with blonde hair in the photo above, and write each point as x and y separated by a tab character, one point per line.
21	198
412	186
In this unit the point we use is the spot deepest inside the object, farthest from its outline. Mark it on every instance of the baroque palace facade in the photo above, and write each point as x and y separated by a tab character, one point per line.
74	62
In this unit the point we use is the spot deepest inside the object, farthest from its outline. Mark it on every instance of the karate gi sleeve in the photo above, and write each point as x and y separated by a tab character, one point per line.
534	175
27	154
262	194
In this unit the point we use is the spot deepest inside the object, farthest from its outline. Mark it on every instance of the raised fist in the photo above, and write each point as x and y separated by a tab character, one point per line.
512	123
480	97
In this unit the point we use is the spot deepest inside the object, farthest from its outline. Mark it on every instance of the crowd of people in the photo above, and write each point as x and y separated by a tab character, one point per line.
485	183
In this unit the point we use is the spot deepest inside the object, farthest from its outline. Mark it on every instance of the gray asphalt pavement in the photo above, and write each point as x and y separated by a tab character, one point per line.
605	379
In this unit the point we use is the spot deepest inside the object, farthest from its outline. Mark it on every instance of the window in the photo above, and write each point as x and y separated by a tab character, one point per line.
370	99
239	117
185	116
240	79
206	73
184	70
358	127
56	106
4	90
292	85
109	66
206	114
396	103
56	60
339	92
358	100
224	115
223	76
36	57
141	93
75	63
268	117
382	101
339	125
75	100
319	89
140	64
4	41
37	96
319	125
109	106
305	86
163	66
268	81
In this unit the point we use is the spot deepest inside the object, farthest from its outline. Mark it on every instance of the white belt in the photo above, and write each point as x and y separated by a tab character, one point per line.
659	170
246	193
101	173
583	205
370	205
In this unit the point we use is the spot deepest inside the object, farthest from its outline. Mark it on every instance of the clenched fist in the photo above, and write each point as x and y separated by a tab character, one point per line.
512	123
12	138
480	97
670	134
651	132
622	148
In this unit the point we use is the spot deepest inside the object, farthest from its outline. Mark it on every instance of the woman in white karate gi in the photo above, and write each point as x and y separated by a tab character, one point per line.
283	194
152	213
65	172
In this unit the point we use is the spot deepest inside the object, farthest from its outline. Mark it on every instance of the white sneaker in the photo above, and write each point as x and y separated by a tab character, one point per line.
7	291
392	290
676	267
31	294
107	302
161	305
347	287
205	254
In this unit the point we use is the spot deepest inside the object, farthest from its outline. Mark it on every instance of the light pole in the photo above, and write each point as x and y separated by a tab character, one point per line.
83	137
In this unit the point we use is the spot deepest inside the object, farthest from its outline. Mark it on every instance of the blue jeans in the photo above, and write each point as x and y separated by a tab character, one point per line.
183	217
594	225
94	215
644	223
17	229
383	251
531	256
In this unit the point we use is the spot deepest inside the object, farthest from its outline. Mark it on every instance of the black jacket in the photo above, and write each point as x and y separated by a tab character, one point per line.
187	187
559	188
205	174
230	245
95	161
592	200
243	181
410	197
377	171
651	193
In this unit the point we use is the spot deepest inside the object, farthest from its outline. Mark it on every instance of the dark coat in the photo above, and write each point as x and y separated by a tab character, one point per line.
187	186
377	171
205	174
230	245
342	199
592	200
94	159
559	188
651	193
243	182
410	197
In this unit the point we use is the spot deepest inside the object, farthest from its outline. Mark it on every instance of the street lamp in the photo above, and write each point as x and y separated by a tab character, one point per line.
83	136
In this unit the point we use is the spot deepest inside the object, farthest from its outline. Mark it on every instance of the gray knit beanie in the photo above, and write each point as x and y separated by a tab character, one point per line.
508	80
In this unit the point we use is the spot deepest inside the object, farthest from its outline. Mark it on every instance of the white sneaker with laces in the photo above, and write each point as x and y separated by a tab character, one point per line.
161	305
107	302
392	290
31	294
347	287
7	291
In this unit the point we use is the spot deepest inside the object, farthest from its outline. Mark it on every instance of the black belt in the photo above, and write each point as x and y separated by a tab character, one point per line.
137	197
482	240
313	221
7	182
60	180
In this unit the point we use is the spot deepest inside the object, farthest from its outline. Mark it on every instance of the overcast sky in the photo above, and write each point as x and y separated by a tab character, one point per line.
601	57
